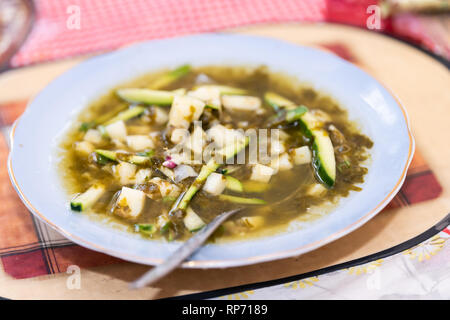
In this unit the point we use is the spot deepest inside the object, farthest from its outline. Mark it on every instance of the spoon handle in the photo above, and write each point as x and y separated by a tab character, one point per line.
182	253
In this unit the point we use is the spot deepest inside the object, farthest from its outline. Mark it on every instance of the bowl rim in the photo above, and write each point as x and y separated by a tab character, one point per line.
234	262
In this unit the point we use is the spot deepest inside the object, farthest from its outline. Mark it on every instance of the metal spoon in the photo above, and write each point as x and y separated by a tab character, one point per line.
182	253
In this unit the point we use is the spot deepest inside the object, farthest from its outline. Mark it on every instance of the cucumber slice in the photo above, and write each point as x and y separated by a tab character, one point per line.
126	115
277	102
84	201
296	113
240	200
192	221
233	184
171	76
147	96
85	126
324	162
126	157
145	228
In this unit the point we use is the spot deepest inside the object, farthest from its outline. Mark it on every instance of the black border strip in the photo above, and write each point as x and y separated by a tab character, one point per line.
441	225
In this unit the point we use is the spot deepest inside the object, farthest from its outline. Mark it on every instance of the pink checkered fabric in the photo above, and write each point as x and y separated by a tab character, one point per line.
109	24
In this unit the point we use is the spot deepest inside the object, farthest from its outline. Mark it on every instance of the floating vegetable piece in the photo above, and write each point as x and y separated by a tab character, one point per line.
184	111
130	203
277	102
241	103
145	229
147	96
122	156
224	89
240	200
302	155
126	115
324	162
84	201
139	142
192	221
233	184
261	173
214	184
171	77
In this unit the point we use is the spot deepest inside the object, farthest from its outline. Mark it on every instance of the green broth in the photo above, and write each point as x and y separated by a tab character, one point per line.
287	198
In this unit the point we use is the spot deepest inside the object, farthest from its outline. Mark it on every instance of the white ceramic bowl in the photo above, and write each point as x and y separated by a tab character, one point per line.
36	134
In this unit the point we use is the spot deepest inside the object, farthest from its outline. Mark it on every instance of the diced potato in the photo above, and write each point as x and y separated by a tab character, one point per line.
162	220
166	188
243	103
316	190
283	135
167	172
179	135
184	110
130	203
125	172
143	175
140	142
182	172
215	184
209	95
282	163
217	133
93	136
181	157
252	222
192	220
160	116
197	140
261	173
223	136
302	155
118	144
276	147
84	148
117	130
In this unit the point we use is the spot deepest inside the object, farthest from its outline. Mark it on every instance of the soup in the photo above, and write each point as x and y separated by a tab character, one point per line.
166	153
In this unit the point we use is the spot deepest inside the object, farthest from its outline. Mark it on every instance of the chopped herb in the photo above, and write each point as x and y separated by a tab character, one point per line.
148	153
102	160
169	199
145	228
85	126
343	165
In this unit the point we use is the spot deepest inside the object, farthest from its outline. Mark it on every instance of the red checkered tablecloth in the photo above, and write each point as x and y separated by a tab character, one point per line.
109	24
